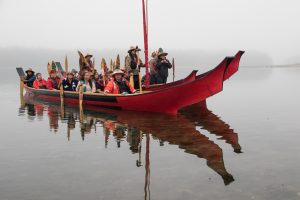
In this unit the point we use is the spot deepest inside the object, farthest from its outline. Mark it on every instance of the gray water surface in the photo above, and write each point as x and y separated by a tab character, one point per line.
243	145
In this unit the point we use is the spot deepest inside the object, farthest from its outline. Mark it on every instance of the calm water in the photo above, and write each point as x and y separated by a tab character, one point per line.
243	145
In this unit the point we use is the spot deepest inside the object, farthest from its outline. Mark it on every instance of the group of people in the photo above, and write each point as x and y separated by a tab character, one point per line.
159	66
93	82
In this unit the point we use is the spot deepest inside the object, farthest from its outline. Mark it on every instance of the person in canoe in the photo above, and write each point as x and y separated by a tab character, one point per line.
75	73
99	83
162	65
40	83
152	64
133	64
29	78
118	84
53	81
70	83
87	83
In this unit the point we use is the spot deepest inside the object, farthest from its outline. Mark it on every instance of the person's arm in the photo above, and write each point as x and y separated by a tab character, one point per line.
141	63
32	79
78	86
60	83
169	64
93	87
108	88
131	88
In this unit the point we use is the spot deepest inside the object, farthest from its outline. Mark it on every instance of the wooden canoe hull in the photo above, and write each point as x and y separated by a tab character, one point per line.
231	69
189	78
167	100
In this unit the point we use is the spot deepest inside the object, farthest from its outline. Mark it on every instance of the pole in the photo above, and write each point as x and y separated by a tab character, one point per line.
147	81
173	63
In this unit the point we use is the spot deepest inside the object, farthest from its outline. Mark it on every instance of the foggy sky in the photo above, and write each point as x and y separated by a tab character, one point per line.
268	26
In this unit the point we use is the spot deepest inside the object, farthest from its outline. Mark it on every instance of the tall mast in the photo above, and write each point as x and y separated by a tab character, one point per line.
145	27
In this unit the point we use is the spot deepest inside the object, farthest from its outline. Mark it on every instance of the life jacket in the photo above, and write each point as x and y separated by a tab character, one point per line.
40	84
113	88
52	84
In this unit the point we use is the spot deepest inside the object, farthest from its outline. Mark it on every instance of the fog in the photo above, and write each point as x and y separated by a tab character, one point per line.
195	32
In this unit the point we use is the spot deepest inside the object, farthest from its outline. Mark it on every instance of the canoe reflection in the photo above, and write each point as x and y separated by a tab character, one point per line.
133	127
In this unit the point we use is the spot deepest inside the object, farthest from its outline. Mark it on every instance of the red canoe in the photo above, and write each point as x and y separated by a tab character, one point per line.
232	68
189	78
234	63
167	100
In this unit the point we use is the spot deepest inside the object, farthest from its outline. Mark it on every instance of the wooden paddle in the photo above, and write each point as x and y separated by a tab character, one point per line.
66	64
111	68
104	70
80	103
49	67
118	62
81	60
138	63
61	92
22	76
131	80
140	82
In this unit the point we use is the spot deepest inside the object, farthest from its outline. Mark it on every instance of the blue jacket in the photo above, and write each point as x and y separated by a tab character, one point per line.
29	80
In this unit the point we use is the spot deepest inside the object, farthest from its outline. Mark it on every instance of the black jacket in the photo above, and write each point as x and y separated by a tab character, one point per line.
163	67
70	86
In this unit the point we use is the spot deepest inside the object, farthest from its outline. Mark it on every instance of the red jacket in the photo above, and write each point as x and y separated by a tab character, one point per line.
40	84
52	84
113	88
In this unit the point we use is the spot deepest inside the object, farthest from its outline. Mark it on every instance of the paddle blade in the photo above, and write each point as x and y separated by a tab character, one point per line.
59	67
103	67
118	62
20	72
49	67
66	64
81	60
53	66
111	65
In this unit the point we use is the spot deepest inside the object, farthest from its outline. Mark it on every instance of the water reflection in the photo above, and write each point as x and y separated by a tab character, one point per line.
132	127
